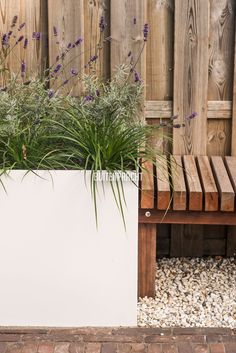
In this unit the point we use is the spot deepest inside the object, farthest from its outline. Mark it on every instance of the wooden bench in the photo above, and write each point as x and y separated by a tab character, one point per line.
184	190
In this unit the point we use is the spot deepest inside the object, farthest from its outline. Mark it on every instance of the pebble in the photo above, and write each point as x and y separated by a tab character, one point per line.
199	292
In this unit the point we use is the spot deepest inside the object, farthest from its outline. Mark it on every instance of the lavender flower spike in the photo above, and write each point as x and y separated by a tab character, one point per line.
22	25
19	39
191	116
136	77
55	33
23	68
57	68
134	20
145	32
93	58
79	41
5	38
102	24
51	93
88	98
74	72
25	43
36	35
14	21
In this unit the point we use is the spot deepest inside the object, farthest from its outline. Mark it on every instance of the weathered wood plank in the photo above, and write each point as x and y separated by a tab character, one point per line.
127	20
231	168
147	185
221	37
187	217
146	260
195	194
190	74
93	12
178	183
208	184
163	185
227	196
68	18
164	109
233	140
34	14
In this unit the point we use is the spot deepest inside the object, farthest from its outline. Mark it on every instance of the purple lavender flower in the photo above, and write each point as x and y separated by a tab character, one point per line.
5	39
79	41
14	21
88	98
36	35
65	82
23	68
57	58
22	25
176	126
25	43
55	33
134	20
57	68
10	33
145	32
191	116
93	58
69	46
74	72
51	93
129	53
97	93
102	24
19	39
136	77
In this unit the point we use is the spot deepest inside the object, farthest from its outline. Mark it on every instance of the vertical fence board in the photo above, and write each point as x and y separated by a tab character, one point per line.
159	76
34	14
221	56
233	139
127	20
93	11
190	94
68	18
190	74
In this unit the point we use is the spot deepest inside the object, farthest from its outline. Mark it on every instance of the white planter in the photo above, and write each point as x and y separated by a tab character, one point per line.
56	268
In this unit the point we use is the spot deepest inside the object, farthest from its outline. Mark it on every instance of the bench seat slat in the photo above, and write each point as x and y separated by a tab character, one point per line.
231	167
147	185
193	183
226	191
179	187
163	184
208	184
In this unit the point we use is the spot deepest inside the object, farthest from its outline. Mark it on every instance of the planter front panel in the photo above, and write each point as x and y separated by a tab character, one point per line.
56	268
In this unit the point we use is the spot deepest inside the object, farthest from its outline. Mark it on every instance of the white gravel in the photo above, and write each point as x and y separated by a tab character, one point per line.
192	293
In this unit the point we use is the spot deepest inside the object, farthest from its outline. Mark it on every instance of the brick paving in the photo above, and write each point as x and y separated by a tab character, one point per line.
117	340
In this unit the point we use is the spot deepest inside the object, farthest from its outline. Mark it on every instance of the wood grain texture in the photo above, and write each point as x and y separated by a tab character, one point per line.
68	18
147	185
178	184
221	56
163	185
230	163
127	36
231	241
186	241
208	184
146	260
195	194
190	74
226	192
93	11
233	140
188	217
34	14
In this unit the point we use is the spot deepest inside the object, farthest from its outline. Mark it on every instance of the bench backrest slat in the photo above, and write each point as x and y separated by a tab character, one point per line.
224	185
193	183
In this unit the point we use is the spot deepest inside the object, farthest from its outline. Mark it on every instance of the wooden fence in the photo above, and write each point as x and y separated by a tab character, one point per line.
189	64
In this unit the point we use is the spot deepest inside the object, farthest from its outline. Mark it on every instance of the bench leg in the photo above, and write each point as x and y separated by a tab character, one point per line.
146	260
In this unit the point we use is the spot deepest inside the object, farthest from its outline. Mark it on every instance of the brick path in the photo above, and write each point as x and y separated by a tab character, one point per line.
117	340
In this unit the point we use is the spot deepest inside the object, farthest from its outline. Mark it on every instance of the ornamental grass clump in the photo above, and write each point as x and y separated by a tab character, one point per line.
42	126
